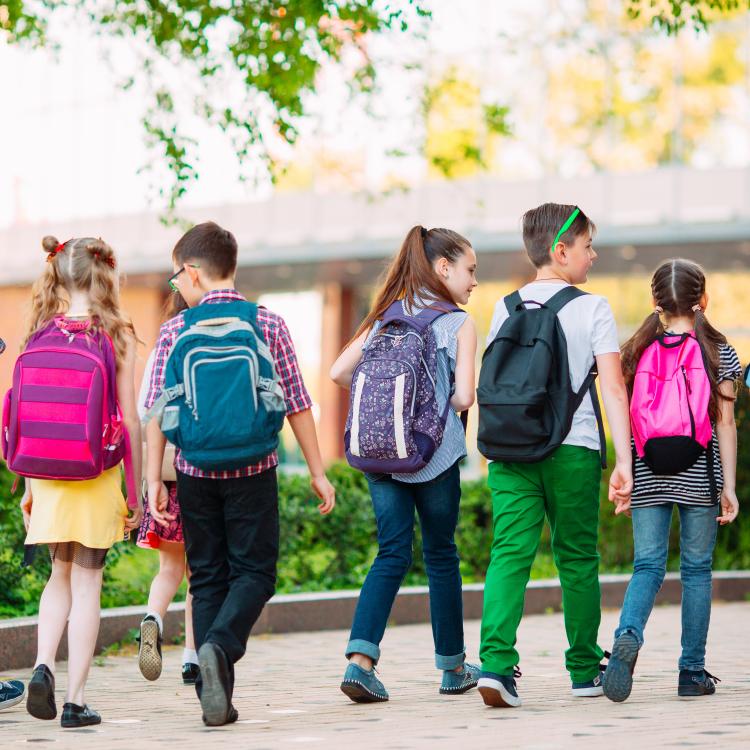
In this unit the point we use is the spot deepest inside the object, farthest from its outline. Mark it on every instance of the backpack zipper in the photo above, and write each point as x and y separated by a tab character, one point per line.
689	390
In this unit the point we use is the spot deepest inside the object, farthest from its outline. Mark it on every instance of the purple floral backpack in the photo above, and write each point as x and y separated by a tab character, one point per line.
394	425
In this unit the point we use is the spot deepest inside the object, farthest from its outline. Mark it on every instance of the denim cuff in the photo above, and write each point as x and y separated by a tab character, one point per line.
632	631
450	662
358	646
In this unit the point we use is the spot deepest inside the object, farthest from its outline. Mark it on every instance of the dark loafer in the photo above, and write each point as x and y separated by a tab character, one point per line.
78	716
41	694
215	693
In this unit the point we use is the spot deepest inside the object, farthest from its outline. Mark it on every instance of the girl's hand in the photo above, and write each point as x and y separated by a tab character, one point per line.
325	491
26	503
620	487
133	521
158	496
730	507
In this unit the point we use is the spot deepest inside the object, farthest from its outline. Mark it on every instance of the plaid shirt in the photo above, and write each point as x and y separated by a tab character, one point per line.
279	342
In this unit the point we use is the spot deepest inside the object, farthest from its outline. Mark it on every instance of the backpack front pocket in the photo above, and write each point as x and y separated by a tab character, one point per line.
508	416
221	393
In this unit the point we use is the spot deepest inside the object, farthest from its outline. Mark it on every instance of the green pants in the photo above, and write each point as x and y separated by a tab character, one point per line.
565	487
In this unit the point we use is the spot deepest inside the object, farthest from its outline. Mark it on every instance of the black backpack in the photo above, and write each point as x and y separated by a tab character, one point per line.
526	402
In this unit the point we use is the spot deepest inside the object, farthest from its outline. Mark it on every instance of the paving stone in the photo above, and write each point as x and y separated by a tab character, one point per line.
287	695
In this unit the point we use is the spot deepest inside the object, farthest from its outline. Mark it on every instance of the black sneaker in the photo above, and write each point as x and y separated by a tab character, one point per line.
74	716
215	693
617	679
694	683
190	673
499	691
11	693
149	650
41	694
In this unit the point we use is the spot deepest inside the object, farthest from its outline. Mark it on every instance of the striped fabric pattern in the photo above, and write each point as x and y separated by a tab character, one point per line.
690	487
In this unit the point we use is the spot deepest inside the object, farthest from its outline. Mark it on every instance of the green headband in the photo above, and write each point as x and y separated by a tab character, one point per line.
564	228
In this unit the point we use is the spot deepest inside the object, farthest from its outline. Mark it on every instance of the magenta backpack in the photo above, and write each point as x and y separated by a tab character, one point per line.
669	406
61	419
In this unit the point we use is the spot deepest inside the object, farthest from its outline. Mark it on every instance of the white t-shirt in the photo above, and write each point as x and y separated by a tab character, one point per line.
590	329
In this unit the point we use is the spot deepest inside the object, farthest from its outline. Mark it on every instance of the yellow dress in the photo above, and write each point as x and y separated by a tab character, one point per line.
91	512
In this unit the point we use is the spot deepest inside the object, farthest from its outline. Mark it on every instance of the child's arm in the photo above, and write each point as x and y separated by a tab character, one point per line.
463	395
342	369
299	414
303	426
157	492
615	397
126	399
726	433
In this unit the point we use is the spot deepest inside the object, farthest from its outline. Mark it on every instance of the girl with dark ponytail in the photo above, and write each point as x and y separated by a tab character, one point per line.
434	268
678	289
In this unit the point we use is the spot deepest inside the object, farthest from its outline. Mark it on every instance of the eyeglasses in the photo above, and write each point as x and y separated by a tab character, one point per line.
174	276
564	228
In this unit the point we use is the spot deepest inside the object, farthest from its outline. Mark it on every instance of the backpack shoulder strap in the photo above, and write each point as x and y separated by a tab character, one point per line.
423	319
512	301
567	294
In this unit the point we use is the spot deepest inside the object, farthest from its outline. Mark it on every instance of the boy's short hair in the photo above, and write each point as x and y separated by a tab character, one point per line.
213	248
541	224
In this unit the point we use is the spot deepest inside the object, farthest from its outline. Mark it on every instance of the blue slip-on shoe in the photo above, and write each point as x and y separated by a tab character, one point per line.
617	680
362	686
11	693
694	683
589	689
456	683
498	690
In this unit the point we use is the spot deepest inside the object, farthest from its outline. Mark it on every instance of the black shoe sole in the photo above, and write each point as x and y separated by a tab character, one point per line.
41	700
214	676
693	691
77	723
459	691
617	680
360	694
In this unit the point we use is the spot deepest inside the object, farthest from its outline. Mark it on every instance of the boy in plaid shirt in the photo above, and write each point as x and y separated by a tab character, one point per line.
230	518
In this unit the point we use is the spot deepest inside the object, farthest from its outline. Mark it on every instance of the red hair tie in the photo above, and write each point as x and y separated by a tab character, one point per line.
52	255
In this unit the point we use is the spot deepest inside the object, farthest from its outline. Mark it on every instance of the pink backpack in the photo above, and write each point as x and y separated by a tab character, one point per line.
61	419
669	405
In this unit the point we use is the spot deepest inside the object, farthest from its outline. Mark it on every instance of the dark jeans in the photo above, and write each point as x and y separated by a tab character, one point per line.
394	503
231	529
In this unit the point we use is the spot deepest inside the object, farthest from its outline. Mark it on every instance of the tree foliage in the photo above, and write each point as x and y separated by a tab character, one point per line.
673	15
245	66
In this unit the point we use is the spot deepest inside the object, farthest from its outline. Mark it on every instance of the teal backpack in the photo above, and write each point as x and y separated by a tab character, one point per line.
222	403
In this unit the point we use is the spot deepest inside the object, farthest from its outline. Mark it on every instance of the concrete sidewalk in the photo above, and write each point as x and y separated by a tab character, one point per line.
287	695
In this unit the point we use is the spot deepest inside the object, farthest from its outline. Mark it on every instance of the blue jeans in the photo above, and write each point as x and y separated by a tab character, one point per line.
697	539
394	503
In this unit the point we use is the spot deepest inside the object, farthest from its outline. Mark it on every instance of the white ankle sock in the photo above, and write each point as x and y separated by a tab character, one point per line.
158	619
189	656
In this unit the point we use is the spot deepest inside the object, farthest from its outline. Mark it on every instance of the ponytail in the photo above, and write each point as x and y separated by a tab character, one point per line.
411	276
633	348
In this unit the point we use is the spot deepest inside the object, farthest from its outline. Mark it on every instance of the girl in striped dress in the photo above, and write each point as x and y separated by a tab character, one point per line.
703	494
433	266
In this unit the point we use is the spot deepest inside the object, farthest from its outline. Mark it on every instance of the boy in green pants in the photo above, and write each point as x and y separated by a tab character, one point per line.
563	484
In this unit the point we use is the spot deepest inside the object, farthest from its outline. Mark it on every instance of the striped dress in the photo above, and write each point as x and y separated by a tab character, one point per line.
692	486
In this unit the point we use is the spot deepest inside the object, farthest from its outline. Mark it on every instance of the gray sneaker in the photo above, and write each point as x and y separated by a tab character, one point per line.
455	683
362	686
617	680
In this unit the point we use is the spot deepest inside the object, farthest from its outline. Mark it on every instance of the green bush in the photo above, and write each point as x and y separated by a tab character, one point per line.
334	552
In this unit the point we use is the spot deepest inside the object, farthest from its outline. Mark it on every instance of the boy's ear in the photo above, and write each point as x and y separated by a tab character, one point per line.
559	253
193	274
